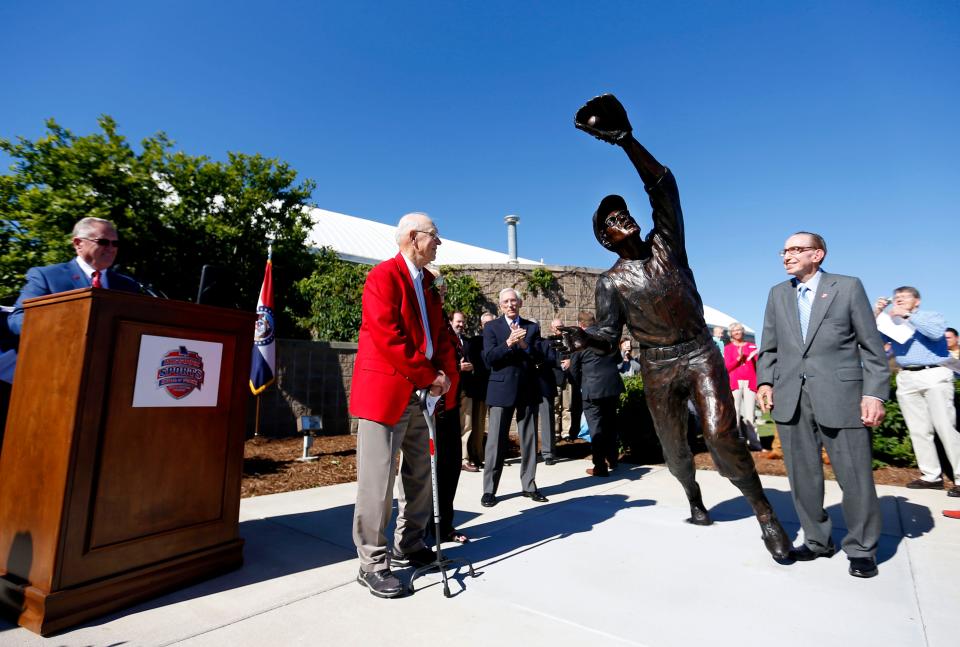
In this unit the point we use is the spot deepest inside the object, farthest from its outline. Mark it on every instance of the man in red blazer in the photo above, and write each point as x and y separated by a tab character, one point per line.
403	347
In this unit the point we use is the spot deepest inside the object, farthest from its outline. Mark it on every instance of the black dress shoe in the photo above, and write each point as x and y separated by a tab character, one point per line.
420	557
535	495
550	461
382	584
488	500
920	484
807	554
954	491
863	567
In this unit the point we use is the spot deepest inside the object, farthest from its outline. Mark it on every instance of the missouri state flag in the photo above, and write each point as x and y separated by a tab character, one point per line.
263	367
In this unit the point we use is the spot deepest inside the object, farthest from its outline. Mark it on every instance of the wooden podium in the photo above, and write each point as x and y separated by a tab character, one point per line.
103	503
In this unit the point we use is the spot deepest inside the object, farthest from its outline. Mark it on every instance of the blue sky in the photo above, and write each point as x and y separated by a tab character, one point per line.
841	118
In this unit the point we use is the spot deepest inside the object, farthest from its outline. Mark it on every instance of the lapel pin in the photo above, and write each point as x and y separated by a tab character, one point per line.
823	296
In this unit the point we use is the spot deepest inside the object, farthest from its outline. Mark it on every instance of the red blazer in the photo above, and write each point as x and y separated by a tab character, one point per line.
391	358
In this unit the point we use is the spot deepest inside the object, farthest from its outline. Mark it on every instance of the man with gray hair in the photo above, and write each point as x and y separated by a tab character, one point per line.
924	385
404	347
511	349
823	373
95	242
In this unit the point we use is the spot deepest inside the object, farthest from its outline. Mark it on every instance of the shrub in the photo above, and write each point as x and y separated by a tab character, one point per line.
891	440
637	435
334	291
464	293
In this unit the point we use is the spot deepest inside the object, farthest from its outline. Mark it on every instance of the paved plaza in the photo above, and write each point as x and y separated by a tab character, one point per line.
606	561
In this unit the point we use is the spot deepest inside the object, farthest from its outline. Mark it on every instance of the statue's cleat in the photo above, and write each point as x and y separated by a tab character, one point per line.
699	516
776	540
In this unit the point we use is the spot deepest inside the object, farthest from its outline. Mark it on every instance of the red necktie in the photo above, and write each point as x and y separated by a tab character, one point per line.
95	279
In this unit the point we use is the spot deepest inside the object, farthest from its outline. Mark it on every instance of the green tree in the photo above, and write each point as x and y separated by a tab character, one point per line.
175	212
464	293
334	291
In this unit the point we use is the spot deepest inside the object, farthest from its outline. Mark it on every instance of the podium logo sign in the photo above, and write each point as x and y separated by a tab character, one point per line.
180	372
174	372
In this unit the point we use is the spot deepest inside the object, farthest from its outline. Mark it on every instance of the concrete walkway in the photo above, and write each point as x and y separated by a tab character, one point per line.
606	561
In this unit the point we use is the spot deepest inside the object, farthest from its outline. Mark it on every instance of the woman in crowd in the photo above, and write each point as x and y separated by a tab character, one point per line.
740	356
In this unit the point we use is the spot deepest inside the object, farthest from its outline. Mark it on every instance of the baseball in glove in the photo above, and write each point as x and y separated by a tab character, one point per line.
604	118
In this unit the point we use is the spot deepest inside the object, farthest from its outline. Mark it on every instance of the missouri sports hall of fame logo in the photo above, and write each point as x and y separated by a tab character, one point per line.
180	372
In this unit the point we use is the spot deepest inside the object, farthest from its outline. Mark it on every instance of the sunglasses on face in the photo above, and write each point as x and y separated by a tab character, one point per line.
103	242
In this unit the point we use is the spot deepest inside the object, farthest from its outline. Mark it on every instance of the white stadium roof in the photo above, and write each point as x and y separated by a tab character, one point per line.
716	318
365	241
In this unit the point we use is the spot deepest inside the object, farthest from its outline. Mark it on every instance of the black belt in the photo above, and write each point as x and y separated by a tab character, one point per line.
670	352
922	367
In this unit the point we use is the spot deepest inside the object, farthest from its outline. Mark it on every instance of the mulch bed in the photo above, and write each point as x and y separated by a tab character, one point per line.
270	464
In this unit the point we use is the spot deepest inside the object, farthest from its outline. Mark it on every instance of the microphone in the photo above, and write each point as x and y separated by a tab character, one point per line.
146	288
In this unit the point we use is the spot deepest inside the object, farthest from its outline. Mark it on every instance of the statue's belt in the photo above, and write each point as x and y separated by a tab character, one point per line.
671	352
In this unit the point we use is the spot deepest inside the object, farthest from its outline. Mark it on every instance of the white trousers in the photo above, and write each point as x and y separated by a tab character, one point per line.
745	401
926	402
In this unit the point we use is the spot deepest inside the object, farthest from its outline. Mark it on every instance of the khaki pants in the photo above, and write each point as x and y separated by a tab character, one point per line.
377	449
926	402
473	425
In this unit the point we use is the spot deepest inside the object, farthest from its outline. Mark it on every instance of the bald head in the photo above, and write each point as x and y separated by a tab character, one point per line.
418	238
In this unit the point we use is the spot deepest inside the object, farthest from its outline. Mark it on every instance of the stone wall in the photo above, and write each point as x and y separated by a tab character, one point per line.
574	289
313	379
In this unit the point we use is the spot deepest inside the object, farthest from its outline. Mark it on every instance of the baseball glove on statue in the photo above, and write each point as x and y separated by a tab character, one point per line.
604	118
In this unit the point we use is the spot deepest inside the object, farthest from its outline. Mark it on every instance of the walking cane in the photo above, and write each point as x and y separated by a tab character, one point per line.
440	562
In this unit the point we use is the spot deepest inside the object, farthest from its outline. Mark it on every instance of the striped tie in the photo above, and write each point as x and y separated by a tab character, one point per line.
803	307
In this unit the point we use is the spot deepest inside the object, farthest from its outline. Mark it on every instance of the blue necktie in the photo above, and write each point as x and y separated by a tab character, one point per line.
803	308
421	301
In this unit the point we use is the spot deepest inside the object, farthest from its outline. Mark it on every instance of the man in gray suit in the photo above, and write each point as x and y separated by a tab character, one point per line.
823	372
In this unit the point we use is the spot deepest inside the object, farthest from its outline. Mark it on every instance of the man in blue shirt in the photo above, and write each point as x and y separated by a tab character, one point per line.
924	386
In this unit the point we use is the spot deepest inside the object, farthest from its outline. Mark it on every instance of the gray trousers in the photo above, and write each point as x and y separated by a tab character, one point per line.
547	438
850	455
498	436
377	449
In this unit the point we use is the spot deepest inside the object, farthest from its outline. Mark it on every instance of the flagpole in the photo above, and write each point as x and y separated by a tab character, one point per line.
256	424
263	367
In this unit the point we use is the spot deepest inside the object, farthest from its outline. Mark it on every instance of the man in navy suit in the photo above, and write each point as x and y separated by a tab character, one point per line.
96	242
511	349
598	375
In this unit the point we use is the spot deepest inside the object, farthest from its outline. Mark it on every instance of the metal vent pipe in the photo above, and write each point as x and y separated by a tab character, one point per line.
512	238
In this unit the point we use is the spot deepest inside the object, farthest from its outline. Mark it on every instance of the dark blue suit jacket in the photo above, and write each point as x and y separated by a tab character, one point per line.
61	277
513	371
598	374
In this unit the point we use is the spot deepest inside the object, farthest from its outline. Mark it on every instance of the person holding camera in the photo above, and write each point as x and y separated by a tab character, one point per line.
924	385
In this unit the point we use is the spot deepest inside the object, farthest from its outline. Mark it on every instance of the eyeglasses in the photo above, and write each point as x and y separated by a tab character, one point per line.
433	234
794	251
621	217
102	242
